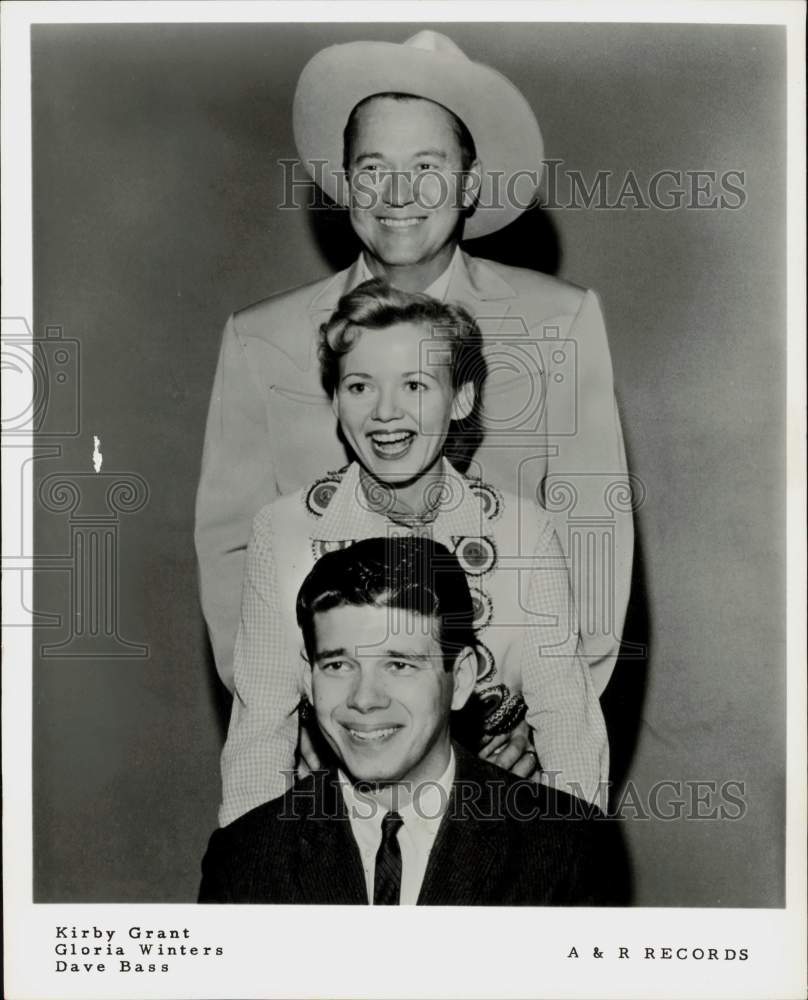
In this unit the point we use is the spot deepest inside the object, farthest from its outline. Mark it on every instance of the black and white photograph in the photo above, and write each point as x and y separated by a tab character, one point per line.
404	489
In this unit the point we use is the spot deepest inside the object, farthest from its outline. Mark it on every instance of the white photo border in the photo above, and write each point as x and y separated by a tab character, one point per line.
305	951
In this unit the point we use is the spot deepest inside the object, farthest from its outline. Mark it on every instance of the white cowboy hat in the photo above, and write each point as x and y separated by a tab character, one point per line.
501	122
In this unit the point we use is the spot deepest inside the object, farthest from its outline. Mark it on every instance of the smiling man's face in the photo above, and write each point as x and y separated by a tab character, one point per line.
382	695
406	188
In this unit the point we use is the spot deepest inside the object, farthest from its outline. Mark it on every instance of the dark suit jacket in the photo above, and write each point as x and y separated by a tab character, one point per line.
502	841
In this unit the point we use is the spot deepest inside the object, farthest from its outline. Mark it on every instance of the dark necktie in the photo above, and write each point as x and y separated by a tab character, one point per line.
387	880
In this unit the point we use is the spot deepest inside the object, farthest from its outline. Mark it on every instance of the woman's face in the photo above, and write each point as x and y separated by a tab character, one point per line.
395	400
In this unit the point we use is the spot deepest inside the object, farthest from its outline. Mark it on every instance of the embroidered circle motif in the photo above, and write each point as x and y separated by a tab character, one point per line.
320	546
375	496
486	665
483	607
322	493
445	494
490	499
476	555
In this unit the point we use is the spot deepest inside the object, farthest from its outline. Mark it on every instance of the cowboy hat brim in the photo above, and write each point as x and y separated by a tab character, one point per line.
501	122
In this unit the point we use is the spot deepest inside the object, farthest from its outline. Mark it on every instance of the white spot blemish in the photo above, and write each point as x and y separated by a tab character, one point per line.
98	458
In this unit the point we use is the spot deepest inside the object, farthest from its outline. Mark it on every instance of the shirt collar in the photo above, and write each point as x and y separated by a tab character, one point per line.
348	517
430	801
469	281
438	288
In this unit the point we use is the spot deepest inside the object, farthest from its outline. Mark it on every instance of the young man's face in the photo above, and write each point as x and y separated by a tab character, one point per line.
395	401
381	694
406	182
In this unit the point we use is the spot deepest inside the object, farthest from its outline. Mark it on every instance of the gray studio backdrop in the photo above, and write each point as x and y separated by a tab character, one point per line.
156	189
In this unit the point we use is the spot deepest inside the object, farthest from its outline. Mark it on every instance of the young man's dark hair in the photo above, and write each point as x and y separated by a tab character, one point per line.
406	574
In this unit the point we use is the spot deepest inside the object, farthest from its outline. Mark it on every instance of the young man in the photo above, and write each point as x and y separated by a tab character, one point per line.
402	815
432	143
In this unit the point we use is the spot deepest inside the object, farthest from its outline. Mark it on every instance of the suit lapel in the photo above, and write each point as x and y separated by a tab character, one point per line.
324	303
302	350
329	866
466	861
477	286
469	851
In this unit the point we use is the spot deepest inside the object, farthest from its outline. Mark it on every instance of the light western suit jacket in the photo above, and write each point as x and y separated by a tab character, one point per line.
503	841
552	433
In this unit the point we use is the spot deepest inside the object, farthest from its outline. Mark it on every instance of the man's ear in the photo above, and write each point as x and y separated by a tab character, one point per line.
307	671
472	182
465	677
463	402
345	187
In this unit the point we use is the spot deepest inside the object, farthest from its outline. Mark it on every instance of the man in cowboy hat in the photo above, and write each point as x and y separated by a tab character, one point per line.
423	146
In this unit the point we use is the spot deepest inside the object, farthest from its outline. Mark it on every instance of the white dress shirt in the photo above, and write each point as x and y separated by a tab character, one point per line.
422	817
438	288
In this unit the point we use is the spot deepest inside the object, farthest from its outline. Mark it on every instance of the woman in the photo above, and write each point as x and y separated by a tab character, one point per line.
403	370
